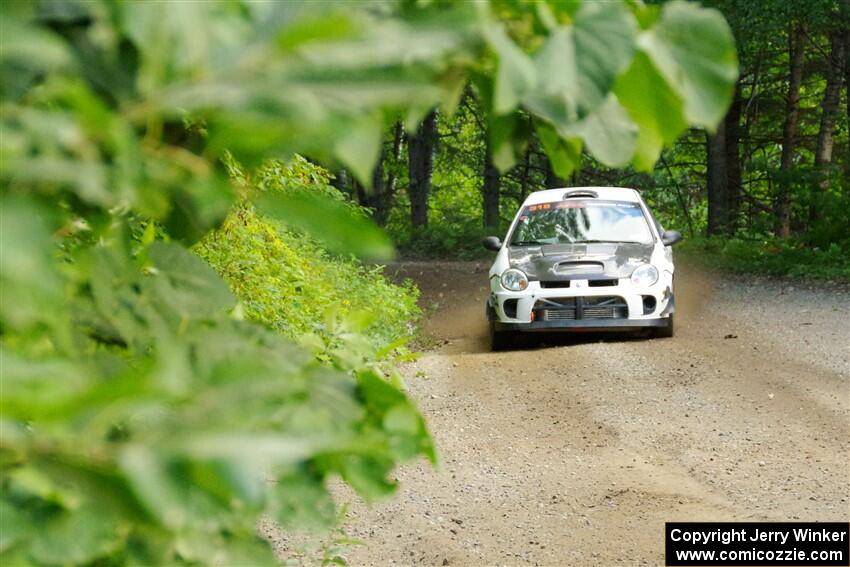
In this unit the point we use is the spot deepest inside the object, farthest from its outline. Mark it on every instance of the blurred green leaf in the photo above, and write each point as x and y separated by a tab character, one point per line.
693	48
14	526
329	222
303	502
27	45
359	146
564	153
580	63
653	106
609	133
77	537
368	477
27	270
516	75
325	27
187	284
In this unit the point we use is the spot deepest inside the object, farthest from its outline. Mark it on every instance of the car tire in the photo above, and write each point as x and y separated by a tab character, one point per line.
500	340
664	332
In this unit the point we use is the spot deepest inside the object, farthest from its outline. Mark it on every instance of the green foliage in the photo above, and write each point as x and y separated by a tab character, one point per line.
163	428
583	70
284	279
773	256
447	240
142	417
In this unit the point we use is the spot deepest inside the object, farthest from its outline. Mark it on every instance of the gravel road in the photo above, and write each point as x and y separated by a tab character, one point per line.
575	450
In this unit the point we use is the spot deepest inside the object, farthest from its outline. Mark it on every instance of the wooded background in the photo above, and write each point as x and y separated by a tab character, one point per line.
777	166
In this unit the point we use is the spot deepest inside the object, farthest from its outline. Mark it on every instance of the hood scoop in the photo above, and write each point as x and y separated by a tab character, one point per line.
570	268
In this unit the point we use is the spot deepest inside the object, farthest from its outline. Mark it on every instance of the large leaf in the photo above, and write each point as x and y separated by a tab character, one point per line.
604	35
331	222
653	106
578	64
187	284
27	271
693	48
564	153
516	75
359	147
609	133
77	537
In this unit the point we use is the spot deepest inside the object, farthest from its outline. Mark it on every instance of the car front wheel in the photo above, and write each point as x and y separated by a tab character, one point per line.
664	332
500	340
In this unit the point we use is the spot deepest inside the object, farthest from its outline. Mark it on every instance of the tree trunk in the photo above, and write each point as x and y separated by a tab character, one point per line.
388	182
420	154
491	190
717	181
391	182
831	102
732	127
782	226
384	180
526	171
847	88
847	84
375	198
380	206
844	11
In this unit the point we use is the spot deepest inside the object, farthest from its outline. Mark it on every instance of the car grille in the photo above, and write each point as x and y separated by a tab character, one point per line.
604	313
581	308
559	314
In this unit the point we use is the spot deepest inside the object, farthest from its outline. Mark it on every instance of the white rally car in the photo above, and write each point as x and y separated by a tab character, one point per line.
579	259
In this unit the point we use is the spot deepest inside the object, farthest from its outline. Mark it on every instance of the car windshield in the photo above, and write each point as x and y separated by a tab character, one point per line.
576	221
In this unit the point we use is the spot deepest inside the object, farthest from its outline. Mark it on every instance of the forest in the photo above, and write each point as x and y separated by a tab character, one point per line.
771	183
198	198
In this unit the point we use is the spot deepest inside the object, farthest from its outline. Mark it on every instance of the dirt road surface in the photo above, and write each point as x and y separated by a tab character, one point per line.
574	450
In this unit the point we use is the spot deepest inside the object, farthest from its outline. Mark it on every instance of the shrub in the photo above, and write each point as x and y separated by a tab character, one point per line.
792	258
290	283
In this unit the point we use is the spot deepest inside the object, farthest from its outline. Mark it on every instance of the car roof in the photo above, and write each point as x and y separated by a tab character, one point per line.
613	193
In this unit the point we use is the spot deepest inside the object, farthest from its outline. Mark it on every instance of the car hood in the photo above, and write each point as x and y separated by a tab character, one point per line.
556	262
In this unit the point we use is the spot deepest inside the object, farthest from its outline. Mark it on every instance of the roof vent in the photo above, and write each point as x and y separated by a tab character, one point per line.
581	193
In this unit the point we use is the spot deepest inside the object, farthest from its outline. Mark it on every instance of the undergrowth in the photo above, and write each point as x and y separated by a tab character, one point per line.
791	258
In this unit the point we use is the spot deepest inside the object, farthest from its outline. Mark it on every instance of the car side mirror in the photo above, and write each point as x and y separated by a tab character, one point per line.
671	237
492	243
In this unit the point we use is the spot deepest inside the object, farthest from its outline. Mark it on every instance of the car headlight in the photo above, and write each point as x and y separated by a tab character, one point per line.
645	275
514	280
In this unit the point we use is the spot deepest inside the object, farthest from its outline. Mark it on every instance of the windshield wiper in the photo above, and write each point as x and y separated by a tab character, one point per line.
526	243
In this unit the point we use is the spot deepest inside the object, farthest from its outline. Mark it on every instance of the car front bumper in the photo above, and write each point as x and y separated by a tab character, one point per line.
583	325
580	307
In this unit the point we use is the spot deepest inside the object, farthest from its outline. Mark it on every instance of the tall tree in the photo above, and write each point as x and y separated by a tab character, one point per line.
844	26
384	179
717	181
732	141
782	225
830	104
420	156
491	190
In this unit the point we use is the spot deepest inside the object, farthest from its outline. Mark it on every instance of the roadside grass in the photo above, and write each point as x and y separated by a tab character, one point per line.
785	258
